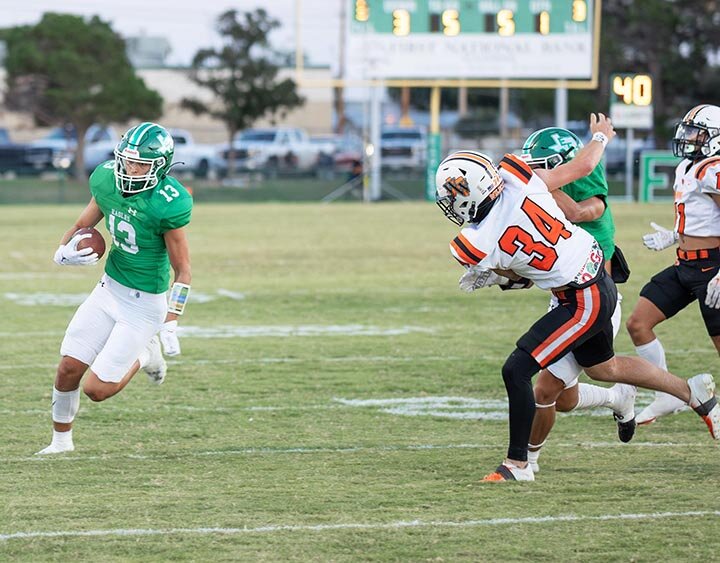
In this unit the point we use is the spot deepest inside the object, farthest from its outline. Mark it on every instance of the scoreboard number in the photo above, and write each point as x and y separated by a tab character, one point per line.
633	90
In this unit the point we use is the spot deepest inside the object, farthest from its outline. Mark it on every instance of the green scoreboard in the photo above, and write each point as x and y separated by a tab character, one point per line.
472	39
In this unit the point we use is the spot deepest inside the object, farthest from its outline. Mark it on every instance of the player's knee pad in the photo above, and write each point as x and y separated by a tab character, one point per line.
65	405
519	368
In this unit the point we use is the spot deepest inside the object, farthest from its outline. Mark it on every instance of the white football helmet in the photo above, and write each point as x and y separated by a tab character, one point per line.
466	186
697	136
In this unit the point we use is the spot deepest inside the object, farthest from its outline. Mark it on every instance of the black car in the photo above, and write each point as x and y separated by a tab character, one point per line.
23	159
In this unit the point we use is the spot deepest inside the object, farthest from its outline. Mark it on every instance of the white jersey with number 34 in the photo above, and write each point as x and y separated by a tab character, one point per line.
527	232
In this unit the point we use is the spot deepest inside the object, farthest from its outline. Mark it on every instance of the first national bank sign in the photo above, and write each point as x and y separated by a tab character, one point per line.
483	39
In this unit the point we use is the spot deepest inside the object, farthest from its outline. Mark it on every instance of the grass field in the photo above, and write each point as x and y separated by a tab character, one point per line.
337	399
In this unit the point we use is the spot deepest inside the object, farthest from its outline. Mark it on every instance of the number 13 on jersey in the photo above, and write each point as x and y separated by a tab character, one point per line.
119	228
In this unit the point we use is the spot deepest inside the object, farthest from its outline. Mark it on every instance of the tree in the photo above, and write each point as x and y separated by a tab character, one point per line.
242	75
673	41
66	70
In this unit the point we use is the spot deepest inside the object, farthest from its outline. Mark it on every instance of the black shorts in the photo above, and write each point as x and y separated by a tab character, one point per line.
580	324
674	288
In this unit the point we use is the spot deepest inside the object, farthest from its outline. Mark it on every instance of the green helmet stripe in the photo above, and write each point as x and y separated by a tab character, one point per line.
140	130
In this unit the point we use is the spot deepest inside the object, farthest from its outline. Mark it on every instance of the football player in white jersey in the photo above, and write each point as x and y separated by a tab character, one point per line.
695	274
517	236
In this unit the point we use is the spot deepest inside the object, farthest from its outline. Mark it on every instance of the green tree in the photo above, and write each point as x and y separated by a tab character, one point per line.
242	75
673	41
66	70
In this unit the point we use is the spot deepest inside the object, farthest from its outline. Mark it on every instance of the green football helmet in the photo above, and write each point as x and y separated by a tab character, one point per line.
148	147
550	147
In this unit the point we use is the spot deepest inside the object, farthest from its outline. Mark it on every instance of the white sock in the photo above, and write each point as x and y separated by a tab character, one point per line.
533	456
144	357
653	352
65	405
590	396
62	438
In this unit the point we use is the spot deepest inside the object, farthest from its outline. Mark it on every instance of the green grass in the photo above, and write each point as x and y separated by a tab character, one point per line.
59	190
249	434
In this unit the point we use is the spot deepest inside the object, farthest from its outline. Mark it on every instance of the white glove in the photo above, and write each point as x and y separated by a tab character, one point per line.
712	299
660	239
169	339
476	277
69	255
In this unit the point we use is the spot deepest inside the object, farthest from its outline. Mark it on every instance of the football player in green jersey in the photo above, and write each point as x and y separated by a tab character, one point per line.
113	333
584	202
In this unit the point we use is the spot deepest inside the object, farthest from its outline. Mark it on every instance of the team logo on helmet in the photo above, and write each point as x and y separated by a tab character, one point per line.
143	158
550	147
467	185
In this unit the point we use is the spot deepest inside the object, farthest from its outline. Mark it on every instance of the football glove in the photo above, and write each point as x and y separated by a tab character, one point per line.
712	299
69	255
475	278
169	339
660	239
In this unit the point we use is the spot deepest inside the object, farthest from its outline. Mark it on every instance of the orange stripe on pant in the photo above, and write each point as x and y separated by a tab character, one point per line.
583	318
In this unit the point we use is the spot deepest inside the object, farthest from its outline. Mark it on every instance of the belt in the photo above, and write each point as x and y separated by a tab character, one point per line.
701	254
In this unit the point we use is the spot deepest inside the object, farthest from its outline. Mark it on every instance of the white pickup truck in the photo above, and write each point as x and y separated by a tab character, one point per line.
273	150
189	156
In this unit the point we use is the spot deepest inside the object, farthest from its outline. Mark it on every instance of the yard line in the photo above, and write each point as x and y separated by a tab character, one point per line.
75	457
397	525
276	360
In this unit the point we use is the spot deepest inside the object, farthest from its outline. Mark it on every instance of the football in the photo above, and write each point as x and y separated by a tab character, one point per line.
95	240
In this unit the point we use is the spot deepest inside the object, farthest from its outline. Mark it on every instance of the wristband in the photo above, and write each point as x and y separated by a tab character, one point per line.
178	298
600	137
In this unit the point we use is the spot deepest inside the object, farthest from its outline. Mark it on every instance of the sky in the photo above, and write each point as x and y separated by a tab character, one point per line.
190	24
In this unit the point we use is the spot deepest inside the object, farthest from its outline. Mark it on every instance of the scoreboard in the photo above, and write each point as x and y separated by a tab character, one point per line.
472	39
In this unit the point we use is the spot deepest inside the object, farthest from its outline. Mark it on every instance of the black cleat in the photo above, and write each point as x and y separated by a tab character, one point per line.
626	430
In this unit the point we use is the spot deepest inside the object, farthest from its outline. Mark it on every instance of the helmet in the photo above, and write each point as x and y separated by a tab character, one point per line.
698	134
550	147
147	144
466	186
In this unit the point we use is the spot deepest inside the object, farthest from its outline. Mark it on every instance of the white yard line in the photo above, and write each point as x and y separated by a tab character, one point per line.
78	457
277	360
398	525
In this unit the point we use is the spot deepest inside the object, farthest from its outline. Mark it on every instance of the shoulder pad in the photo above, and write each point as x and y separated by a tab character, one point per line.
517	167
706	165
465	253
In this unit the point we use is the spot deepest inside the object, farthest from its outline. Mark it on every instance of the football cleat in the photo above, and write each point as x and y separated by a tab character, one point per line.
156	367
56	449
704	402
663	405
624	410
509	472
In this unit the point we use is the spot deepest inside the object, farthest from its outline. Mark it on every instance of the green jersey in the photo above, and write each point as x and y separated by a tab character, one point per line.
138	257
602	228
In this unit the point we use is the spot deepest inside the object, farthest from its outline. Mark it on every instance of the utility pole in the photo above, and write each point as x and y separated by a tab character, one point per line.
339	91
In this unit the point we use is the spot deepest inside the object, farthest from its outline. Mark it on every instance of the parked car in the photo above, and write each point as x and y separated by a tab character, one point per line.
62	141
23	158
327	146
273	150
349	156
191	156
403	148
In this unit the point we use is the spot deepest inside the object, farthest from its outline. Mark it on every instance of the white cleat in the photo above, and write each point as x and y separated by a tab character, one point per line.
156	367
56	449
624	410
535	466
509	472
663	405
704	402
